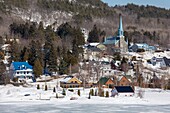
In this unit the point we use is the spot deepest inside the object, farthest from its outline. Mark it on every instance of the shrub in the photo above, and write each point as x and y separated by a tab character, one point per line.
54	89
102	94
78	92
107	93
89	95
56	95
95	93
92	92
64	92
38	86
100	91
45	87
71	90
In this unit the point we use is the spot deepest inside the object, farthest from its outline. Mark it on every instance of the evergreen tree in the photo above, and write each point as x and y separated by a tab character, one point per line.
38	86
53	65
64	92
78	92
64	30
63	67
15	51
92	92
2	72
33	30
94	34
54	90
24	54
37	68
46	88
32	53
107	93
40	32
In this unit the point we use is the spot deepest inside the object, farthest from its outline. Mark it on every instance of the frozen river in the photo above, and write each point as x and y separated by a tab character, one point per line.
47	107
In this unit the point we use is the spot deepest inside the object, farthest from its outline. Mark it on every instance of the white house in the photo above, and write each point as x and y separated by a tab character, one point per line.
160	61
21	70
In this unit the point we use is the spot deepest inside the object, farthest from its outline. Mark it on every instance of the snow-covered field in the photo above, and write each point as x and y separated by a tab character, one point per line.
13	100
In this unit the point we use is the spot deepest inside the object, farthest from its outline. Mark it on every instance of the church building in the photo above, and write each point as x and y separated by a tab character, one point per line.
117	43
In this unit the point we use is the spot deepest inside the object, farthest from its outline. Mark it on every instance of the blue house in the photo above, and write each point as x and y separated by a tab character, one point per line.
143	46
21	70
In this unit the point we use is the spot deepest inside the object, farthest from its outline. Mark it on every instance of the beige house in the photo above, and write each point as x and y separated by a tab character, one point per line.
70	82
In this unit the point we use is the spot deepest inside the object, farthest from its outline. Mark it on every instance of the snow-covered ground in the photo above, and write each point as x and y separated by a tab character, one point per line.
13	99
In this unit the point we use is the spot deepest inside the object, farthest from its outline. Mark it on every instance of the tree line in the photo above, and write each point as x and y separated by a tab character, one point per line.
46	48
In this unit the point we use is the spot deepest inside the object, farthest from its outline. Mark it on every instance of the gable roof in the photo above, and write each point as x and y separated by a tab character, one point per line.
21	65
167	61
69	78
121	77
124	89
66	79
104	80
111	40
94	48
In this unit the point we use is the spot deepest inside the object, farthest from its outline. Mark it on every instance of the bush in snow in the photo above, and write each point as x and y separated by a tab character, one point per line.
140	93
56	95
45	87
89	96
78	92
95	93
38	86
107	93
92	92
71	90
102	94
64	92
54	89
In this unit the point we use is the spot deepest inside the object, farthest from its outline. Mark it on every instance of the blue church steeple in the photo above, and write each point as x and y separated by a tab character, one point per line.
120	30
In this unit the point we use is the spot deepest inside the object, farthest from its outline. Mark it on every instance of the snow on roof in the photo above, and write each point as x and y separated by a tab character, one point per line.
105	59
94	44
66	79
5	45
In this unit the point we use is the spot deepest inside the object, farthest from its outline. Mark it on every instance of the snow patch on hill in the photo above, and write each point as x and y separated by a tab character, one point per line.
54	18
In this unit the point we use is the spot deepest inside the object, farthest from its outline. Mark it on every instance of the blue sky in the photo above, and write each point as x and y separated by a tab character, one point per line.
158	3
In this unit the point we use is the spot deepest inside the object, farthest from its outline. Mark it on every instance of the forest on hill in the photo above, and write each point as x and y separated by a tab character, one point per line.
148	24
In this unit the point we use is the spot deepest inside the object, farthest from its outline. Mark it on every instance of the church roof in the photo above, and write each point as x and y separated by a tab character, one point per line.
111	40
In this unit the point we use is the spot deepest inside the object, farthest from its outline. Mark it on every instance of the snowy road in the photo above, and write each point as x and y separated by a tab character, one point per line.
48	107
